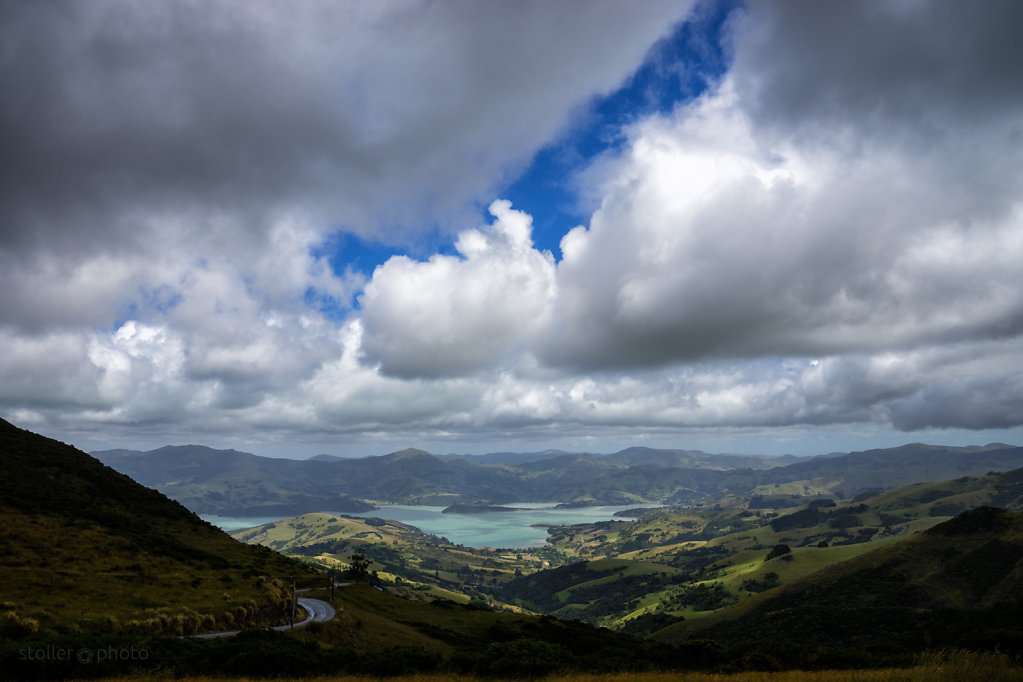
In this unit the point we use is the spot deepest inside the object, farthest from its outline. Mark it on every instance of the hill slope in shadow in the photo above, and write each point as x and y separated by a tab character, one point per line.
87	548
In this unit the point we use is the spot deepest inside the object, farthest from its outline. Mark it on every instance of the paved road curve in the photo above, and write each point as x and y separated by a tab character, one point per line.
316	610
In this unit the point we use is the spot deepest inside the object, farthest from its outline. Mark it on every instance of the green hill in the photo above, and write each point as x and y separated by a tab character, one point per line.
702	559
670	564
406	560
591	591
485	644
957	585
87	548
307	530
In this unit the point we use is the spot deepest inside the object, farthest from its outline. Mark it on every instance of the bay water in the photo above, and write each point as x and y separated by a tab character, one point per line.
524	527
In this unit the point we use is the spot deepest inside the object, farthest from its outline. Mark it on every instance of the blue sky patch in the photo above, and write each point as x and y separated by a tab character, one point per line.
678	68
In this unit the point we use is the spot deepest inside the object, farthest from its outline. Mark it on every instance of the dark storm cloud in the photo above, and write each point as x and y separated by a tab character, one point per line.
142	141
939	80
901	68
984	403
363	114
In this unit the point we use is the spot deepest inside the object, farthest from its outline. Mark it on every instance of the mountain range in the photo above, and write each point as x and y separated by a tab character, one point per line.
233	483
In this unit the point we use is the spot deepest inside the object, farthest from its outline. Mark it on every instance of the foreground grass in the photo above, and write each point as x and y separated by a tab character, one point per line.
954	666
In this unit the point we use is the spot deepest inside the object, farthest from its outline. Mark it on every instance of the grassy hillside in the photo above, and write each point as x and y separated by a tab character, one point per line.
87	548
699	560
863	603
959	584
592	591
408	561
670	564
484	642
303	531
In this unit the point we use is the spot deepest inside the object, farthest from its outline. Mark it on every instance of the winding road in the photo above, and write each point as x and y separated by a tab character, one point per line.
316	611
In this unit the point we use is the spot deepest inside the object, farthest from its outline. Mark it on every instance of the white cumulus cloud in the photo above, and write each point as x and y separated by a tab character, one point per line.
455	315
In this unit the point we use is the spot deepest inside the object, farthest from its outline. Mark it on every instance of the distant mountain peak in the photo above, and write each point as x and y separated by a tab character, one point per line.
410	452
191	450
325	458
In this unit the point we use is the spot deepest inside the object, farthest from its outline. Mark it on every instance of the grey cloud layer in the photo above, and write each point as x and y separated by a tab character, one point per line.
831	235
902	70
120	108
142	139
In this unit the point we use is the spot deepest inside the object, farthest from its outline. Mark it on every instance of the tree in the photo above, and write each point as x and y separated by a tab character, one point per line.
777	551
358	567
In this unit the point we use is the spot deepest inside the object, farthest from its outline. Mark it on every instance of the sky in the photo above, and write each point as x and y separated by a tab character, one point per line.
354	227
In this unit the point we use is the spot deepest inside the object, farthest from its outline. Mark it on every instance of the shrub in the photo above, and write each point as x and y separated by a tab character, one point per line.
845	521
767	582
13	626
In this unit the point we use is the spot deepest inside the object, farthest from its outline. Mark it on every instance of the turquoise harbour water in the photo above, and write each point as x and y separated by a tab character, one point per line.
525	527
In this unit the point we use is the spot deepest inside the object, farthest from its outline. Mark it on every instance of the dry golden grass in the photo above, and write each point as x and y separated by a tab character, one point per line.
951	666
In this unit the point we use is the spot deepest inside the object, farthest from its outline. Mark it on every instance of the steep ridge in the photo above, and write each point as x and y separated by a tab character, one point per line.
233	483
85	547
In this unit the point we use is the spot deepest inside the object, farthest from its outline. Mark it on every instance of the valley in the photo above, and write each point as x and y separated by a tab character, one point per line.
670	564
521	527
663	581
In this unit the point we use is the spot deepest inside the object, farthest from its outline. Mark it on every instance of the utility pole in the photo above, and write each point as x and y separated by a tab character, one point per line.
294	601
